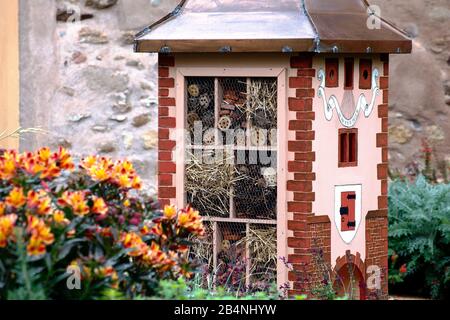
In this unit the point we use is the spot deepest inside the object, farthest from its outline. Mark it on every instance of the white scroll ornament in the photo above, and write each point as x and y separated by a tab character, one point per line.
333	103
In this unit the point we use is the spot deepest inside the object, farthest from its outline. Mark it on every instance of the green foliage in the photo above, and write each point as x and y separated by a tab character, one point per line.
112	294
324	291
419	234
26	277
182	290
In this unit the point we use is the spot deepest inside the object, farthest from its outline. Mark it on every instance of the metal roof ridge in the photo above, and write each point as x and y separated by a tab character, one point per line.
170	15
314	27
389	23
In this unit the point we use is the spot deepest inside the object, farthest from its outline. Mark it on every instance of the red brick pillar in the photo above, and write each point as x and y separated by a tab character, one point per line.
166	130
300	167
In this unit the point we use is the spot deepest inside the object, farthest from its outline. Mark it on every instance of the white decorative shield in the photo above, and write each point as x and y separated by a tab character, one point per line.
347	210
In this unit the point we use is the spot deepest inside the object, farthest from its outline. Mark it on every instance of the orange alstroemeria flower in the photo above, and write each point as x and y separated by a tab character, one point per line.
133	241
49	171
44	163
100	173
29	163
125	166
39	201
99	206
41	236
2	208
145	230
36	247
88	162
37	228
75	200
105	232
191	220
136	184
170	212
60	218
124	181
6	228
16	199
71	234
105	272
8	165
154	256
121	173
44	155
64	159
157	229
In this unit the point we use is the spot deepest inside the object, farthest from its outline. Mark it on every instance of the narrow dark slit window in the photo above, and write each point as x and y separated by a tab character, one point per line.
348	148
348	73
352	147
343	147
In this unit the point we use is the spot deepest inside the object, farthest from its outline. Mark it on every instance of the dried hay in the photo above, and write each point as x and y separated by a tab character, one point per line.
208	185
262	242
262	103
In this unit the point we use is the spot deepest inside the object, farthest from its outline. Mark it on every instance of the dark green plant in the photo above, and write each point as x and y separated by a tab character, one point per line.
26	277
419	235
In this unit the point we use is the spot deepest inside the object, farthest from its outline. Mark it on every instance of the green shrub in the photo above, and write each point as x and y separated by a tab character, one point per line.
419	236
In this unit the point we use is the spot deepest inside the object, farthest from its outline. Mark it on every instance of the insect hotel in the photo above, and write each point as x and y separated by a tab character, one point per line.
273	123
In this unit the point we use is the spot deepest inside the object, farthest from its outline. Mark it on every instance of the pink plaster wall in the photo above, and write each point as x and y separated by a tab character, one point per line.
329	175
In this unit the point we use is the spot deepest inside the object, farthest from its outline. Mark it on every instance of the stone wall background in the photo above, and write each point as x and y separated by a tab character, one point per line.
419	95
83	84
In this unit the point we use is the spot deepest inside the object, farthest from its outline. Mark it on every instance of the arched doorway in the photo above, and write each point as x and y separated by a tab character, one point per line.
350	282
349	277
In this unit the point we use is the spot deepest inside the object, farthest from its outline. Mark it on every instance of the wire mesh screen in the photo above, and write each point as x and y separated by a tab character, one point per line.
262	246
231	177
209	182
231	255
258	183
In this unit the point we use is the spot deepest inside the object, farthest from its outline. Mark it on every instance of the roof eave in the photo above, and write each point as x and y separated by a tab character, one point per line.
274	45
220	45
403	46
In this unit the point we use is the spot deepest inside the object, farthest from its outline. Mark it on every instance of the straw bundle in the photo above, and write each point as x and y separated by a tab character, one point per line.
208	185
262	242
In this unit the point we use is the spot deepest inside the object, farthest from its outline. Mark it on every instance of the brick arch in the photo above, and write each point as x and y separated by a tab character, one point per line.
358	267
352	259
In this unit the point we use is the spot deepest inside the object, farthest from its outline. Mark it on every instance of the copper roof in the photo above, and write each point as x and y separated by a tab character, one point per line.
271	26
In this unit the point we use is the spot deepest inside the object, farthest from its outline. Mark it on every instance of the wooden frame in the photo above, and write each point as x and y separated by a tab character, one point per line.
348	148
365	74
349	74
181	98
332	72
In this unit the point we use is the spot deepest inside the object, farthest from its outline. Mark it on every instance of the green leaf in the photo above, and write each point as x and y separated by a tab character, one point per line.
67	247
